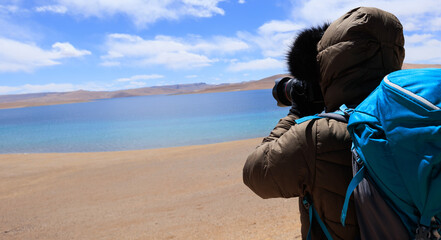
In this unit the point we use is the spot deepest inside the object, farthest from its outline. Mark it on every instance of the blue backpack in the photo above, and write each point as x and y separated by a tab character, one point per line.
396	134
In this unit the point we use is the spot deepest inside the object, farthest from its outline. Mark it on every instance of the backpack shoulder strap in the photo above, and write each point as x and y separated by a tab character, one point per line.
352	185
341	115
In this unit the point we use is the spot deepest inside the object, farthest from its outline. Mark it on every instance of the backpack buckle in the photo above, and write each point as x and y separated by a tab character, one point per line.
436	227
356	157
306	202
423	233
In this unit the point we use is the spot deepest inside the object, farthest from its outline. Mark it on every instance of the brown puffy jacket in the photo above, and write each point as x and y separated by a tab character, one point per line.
314	158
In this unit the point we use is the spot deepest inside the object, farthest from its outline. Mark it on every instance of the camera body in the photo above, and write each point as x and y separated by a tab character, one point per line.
288	88
306	96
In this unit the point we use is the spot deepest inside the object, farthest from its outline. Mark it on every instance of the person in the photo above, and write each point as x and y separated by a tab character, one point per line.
312	160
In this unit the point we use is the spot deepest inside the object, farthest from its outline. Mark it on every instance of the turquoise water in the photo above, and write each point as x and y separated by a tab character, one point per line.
139	122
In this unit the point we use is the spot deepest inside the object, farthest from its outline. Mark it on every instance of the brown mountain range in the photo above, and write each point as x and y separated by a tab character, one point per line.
39	99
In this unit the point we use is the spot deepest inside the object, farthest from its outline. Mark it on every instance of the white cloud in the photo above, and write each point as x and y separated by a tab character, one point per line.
140	77
273	38
191	76
220	44
9	8
417	38
130	46
276	26
136	81
19	56
33	88
66	50
436	23
259	64
134	84
110	63
52	8
179	60
141	12
423	48
8	90
174	53
58	87
241	1
422	13
50	87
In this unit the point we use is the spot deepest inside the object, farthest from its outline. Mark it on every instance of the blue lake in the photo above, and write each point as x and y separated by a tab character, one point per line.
139	122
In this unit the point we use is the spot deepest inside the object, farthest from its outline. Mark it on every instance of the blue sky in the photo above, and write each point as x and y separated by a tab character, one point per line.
67	45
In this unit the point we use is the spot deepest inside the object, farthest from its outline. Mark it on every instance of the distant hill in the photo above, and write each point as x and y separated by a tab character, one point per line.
38	99
411	66
264	83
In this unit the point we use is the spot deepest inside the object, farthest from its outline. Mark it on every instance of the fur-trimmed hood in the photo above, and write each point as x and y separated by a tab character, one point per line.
302	55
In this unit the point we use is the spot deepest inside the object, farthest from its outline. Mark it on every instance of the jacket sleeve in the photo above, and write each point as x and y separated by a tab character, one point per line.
279	167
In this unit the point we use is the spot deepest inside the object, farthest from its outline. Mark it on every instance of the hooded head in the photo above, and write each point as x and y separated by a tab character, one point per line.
356	52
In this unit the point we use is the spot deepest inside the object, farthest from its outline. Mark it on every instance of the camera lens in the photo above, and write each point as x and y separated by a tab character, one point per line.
281	91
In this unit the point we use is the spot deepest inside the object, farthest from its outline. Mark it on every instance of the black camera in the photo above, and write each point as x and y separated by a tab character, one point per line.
308	97
284	87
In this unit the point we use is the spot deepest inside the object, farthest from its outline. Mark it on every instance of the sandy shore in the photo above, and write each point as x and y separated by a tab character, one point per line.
193	192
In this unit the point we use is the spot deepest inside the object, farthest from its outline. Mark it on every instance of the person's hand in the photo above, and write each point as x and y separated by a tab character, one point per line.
304	100
299	98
